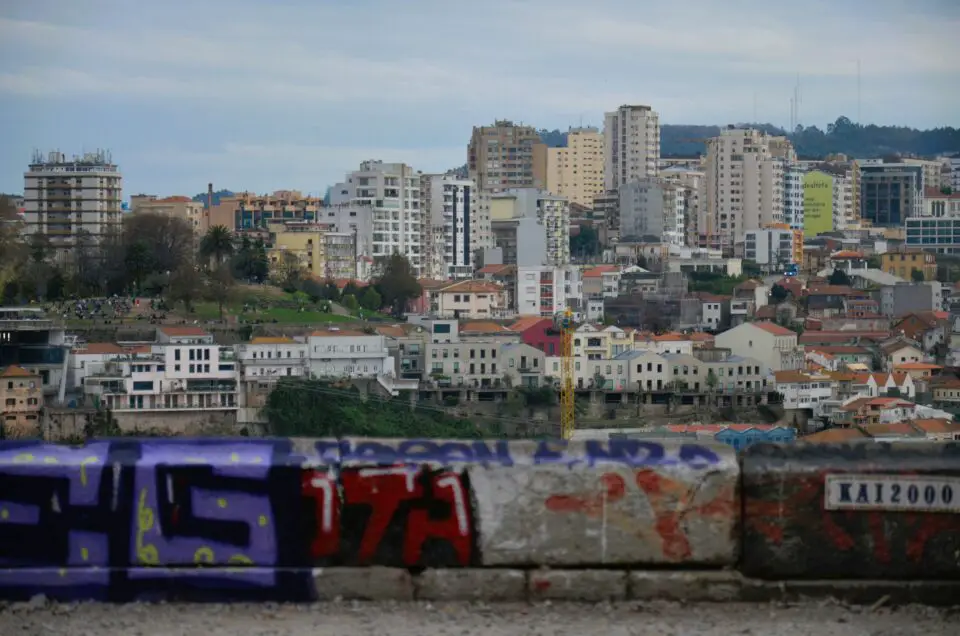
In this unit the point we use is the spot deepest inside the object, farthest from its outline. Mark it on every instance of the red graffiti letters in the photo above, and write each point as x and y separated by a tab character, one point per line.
394	515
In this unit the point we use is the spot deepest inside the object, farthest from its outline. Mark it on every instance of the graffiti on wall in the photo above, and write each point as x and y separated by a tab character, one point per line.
671	503
130	519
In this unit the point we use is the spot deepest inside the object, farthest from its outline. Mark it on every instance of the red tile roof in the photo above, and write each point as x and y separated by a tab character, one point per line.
773	328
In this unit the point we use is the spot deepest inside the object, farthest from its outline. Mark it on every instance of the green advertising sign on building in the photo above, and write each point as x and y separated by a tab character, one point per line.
817	203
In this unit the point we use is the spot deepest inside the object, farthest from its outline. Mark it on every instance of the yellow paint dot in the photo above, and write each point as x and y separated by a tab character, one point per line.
50	460
222	503
262	520
234	457
5	514
63	572
23	458
84	554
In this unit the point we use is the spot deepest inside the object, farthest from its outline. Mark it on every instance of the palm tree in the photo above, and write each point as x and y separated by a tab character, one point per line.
217	244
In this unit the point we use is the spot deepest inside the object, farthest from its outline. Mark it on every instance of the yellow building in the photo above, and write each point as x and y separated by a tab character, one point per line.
905	261
21	398
576	172
817	203
320	251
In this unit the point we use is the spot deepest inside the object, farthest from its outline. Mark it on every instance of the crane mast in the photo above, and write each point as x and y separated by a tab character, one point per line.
566	375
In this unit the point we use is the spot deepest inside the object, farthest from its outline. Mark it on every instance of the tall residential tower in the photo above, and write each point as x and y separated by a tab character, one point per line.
67	199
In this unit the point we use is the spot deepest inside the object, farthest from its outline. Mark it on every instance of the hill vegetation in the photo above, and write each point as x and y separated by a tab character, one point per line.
219	194
811	142
318	408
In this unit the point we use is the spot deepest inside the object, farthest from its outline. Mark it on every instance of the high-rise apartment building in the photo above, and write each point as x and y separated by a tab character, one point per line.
932	172
653	210
744	184
501	157
890	192
531	227
576	171
67	199
506	156
631	140
693	184
793	195
449	246
392	191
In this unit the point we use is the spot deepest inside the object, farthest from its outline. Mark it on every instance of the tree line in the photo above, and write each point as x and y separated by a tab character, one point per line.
158	255
812	142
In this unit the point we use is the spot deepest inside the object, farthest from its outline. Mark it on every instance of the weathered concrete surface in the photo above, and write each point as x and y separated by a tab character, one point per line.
466	619
789	534
860	592
591	586
721	586
609	503
472	584
365	584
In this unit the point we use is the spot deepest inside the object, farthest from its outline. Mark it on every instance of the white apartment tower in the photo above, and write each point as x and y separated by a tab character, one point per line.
576	171
793	195
392	190
744	184
631	139
448	206
66	199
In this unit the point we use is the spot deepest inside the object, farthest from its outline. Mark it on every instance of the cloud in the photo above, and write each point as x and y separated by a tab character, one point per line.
294	94
260	167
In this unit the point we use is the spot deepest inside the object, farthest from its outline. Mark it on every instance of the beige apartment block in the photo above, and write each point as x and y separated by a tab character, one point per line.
932	172
69	200
506	156
631	145
744	184
21	399
576	172
177	206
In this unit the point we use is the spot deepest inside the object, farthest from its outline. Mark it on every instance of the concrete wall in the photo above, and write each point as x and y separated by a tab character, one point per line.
297	520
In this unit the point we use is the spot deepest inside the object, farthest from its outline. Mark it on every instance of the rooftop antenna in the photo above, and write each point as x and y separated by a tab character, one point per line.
858	90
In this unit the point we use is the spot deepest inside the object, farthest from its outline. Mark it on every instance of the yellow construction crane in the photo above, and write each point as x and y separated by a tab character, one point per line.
566	375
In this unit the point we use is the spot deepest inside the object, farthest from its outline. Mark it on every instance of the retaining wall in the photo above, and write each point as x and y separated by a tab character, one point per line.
296	520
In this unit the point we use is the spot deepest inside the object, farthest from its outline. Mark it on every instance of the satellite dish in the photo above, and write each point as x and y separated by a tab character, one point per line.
419	329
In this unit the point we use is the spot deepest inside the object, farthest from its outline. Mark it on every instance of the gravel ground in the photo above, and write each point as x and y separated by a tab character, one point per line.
424	619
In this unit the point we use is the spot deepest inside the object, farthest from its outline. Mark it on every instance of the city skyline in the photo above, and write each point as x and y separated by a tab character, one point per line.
296	95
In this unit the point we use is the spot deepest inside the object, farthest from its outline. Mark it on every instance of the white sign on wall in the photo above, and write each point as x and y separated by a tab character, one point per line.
906	493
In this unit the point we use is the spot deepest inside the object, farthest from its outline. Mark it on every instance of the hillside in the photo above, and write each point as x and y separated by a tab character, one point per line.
842	136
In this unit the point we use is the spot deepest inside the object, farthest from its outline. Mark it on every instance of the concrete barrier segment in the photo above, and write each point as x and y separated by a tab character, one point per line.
847	511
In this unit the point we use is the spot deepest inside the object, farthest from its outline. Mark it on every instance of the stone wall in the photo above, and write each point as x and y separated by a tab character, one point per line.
299	520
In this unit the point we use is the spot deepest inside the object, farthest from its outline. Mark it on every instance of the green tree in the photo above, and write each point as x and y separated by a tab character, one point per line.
396	283
350	302
331	291
12	248
217	244
219	286
712	380
585	243
318	408
184	286
839	277
250	261
778	294
370	300
138	261
289	271
916	275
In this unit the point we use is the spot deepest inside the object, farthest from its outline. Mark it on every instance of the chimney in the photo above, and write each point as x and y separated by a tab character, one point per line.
209	197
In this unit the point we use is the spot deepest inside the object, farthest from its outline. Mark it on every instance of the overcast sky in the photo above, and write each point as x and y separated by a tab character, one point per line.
261	95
